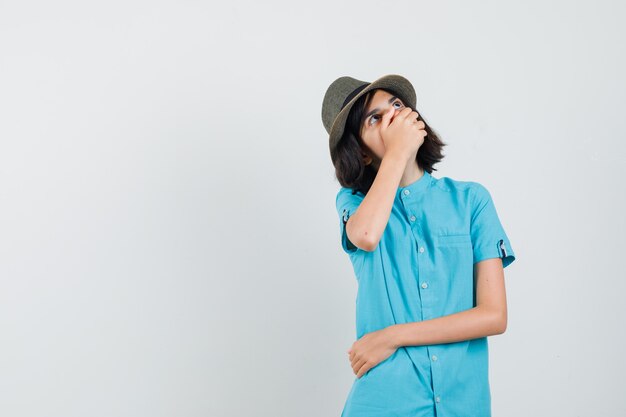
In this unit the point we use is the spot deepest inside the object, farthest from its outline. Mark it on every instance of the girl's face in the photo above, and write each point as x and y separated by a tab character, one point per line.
378	105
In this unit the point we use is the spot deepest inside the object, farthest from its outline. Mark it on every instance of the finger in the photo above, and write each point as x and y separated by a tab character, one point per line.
413	116
355	360
405	112
362	370
386	120
356	365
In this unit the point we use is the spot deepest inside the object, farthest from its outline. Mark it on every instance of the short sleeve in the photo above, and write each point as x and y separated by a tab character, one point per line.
489	239
347	203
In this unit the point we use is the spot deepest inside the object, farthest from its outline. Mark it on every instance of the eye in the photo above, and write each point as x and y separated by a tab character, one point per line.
400	105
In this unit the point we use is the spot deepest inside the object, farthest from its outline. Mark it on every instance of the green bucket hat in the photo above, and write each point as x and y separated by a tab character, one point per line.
345	91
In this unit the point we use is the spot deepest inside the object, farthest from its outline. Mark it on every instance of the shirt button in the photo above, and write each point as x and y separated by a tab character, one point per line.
437	399
434	357
406	192
422	249
424	285
412	218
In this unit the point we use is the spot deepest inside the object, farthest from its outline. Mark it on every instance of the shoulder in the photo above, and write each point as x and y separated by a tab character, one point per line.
453	185
470	193
348	195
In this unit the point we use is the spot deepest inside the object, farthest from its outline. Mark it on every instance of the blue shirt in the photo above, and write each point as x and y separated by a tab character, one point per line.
421	269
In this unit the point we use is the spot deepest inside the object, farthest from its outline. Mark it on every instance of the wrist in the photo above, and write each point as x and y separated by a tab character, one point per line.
395	333
397	156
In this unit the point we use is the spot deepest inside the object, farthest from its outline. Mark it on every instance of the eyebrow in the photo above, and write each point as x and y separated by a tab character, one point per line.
377	109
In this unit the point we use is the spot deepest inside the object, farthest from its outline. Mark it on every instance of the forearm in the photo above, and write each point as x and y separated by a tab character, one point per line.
465	325
370	220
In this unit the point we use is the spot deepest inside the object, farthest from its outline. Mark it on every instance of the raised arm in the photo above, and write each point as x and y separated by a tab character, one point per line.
366	225
402	136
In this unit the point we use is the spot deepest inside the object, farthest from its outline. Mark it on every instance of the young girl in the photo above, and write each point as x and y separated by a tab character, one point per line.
428	254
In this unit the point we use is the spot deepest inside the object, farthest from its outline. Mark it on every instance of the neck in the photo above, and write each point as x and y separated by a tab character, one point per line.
412	173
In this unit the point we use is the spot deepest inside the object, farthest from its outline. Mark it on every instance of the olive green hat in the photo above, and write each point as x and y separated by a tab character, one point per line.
345	91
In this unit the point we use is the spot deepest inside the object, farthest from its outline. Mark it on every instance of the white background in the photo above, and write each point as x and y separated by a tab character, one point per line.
169	243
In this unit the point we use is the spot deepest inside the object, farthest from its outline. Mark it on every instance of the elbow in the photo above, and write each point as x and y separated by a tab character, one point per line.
499	322
494	319
364	241
369	245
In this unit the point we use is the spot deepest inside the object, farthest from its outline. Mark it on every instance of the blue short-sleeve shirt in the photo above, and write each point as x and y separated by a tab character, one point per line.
421	269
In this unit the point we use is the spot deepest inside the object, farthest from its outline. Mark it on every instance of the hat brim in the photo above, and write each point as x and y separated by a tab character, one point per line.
392	82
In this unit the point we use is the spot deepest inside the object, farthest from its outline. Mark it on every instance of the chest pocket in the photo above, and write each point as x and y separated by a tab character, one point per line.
456	259
457	240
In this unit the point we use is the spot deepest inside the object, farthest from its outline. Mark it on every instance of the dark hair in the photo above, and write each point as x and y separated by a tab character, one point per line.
351	171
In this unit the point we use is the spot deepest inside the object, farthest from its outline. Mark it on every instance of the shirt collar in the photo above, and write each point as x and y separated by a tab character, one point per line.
416	186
